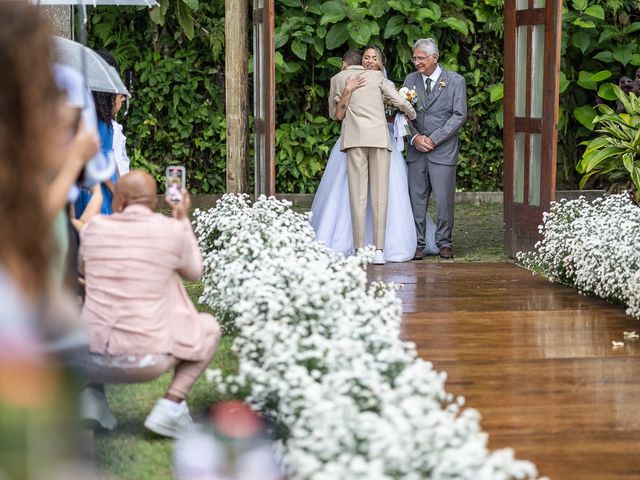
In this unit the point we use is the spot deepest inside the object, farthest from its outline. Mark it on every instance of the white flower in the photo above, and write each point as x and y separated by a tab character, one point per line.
592	247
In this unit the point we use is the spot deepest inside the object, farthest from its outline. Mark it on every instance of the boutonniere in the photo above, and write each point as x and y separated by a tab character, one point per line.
442	84
419	103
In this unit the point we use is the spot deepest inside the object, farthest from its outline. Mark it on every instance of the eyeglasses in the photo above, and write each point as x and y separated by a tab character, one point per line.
420	59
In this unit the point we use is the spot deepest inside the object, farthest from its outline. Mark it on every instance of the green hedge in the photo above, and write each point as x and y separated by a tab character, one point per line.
177	114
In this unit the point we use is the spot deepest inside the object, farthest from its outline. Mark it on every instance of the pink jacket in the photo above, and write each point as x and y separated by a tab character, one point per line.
135	301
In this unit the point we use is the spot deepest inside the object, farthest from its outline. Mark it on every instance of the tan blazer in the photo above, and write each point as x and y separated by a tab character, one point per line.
365	124
135	301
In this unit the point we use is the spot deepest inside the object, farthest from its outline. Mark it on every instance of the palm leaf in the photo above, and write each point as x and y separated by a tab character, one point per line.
627	160
624	99
597	158
595	144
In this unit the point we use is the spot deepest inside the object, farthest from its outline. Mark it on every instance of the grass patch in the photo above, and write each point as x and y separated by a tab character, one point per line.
477	233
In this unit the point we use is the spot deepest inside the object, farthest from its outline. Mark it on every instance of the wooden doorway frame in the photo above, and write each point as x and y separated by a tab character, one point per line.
264	87
237	94
522	218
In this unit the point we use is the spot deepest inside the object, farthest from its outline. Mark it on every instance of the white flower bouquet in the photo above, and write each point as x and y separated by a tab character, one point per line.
409	94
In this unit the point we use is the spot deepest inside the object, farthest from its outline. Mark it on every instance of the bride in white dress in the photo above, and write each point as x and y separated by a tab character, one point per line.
331	215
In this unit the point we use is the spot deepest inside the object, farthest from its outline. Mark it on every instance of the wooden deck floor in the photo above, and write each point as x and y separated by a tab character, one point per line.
534	358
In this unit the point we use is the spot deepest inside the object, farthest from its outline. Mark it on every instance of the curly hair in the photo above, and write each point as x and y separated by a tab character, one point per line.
106	102
105	106
29	99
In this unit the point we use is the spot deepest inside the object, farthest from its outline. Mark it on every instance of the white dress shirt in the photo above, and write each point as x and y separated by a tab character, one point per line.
119	149
434	77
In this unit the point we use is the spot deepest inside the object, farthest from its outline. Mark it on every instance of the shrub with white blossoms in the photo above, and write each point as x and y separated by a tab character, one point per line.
319	351
594	247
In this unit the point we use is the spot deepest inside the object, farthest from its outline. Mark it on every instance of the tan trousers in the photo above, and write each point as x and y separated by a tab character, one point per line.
368	166
139	368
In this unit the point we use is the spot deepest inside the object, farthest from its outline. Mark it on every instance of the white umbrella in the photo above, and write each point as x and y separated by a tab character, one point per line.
100	76
95	3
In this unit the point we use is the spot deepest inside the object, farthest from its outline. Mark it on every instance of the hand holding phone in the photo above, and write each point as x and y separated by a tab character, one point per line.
181	209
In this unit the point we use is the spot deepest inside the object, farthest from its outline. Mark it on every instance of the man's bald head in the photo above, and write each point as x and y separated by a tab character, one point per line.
135	188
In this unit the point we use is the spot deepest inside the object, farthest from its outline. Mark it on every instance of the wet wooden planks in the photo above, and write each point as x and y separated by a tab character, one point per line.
534	358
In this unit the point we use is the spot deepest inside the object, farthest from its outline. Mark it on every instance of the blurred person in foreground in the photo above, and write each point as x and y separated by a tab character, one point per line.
40	138
64	189
141	321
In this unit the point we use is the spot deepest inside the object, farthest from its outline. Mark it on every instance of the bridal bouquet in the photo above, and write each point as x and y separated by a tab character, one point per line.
410	95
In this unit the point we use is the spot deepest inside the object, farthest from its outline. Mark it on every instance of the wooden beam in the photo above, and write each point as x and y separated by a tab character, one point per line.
551	104
264	96
270	84
236	94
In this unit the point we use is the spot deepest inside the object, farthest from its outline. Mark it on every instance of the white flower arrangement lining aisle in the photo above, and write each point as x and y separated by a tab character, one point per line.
592	247
319	350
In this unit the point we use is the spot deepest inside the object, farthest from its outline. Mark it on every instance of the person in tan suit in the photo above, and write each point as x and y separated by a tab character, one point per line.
140	320
365	139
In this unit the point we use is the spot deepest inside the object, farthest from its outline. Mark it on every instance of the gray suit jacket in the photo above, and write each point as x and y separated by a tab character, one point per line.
439	116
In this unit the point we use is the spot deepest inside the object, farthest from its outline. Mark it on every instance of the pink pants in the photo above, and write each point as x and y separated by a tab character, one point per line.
139	368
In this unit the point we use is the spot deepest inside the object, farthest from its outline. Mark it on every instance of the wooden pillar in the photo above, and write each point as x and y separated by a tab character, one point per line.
236	94
264	96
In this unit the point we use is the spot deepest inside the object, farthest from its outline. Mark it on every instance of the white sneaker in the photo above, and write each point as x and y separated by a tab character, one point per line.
169	419
94	408
378	258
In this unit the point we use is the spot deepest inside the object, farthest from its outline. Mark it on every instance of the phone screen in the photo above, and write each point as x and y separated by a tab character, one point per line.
175	182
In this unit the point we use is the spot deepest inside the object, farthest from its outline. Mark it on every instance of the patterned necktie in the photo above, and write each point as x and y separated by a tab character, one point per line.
428	88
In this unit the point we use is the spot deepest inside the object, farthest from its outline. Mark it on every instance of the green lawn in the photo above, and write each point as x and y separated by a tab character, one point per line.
477	232
132	453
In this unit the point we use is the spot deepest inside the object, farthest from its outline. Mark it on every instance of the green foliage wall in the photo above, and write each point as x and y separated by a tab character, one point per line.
599	45
178	109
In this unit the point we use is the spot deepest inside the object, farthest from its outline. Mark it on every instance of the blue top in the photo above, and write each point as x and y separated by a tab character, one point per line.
106	140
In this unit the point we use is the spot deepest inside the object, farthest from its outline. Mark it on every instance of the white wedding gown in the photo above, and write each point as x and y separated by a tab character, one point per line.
331	215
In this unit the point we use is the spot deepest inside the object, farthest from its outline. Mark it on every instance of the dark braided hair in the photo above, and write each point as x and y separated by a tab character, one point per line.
105	102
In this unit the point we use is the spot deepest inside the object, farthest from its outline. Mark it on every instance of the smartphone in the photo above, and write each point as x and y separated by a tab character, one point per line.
175	182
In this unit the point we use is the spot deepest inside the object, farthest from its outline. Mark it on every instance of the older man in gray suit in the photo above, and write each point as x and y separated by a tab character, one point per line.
432	155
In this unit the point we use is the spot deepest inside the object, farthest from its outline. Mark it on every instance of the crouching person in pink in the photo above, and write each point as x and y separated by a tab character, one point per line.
140	320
